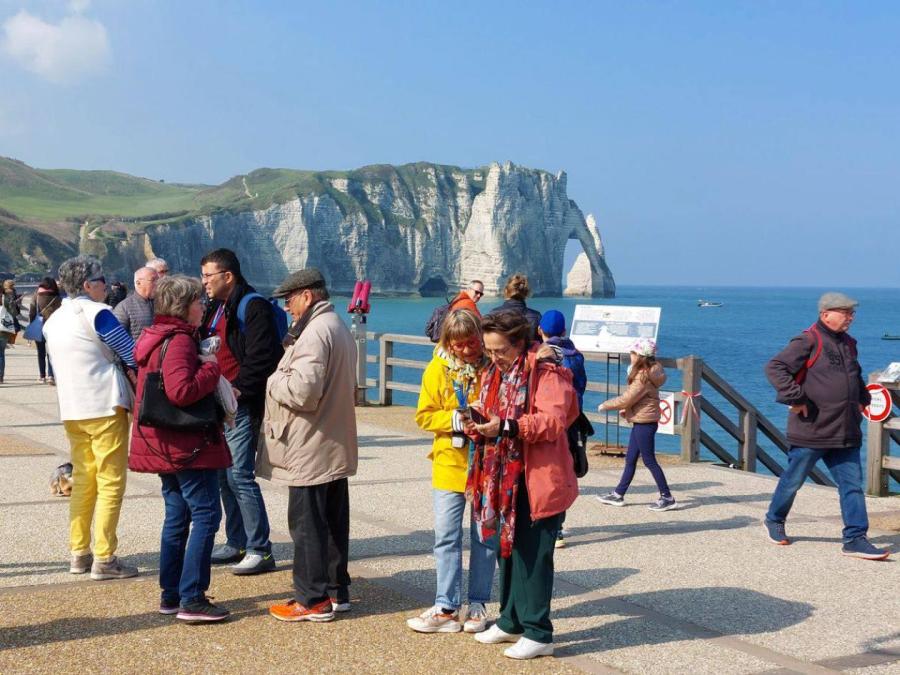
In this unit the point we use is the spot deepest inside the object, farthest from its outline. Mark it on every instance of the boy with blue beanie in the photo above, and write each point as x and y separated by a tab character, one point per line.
552	330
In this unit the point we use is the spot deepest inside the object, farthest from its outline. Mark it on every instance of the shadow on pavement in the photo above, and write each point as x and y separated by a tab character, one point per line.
719	611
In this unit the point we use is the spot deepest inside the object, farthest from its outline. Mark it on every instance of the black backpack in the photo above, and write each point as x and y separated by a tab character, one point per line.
434	323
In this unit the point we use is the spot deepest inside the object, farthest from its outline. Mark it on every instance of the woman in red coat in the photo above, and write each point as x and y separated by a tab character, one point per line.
521	477
186	461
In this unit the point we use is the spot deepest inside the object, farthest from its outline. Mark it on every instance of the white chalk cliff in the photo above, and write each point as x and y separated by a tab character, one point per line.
579	281
419	228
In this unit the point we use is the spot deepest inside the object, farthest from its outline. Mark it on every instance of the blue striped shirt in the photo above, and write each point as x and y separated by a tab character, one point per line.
115	337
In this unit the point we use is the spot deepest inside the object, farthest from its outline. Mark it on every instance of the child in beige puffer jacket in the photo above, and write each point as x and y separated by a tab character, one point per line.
640	406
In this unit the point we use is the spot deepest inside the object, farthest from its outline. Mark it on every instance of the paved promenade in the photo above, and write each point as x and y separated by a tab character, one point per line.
697	590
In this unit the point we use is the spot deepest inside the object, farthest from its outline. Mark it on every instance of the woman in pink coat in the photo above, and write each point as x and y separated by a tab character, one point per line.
522	478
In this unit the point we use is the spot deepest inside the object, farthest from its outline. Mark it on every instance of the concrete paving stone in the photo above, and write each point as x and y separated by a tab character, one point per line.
120	631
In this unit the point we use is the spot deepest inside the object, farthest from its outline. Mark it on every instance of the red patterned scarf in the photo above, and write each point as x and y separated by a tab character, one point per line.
497	463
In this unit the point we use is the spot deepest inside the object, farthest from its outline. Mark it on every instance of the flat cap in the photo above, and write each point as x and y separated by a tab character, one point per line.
298	281
835	300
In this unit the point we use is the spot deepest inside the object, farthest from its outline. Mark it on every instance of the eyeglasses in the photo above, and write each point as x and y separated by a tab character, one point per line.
478	293
844	311
206	277
471	344
499	352
101	279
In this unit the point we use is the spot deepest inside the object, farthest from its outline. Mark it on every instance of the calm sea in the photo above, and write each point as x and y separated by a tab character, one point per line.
736	339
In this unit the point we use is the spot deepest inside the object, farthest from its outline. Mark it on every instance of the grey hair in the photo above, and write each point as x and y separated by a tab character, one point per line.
174	295
75	271
156	263
141	269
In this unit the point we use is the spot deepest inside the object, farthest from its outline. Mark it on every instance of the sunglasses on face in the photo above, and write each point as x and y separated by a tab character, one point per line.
101	279
478	293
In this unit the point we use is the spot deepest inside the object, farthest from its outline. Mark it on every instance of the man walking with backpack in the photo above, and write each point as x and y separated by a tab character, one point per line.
249	350
818	375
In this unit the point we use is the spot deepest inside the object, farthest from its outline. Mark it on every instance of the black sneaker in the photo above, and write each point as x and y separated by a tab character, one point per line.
168	606
202	611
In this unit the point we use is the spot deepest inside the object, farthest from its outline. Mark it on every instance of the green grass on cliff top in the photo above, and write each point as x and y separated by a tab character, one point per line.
58	194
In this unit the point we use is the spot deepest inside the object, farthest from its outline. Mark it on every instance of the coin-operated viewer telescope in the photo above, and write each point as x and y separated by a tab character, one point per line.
359	309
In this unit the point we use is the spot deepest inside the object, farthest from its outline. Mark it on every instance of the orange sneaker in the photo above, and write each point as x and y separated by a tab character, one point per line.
294	611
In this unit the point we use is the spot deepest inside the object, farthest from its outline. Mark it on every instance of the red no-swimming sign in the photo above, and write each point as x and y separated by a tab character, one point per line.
880	407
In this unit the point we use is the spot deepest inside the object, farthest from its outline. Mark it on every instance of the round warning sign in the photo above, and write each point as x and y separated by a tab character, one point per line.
880	407
665	412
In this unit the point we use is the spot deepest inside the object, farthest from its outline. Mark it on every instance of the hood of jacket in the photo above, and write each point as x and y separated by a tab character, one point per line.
564	344
153	336
656	375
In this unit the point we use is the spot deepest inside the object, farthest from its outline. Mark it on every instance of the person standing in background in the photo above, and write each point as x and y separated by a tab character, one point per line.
135	312
160	265
46	301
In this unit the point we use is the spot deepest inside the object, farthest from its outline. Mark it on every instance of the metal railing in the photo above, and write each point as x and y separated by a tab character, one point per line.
690	405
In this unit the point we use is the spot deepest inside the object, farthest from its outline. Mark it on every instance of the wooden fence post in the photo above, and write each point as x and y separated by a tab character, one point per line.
385	371
692	371
877	447
748	447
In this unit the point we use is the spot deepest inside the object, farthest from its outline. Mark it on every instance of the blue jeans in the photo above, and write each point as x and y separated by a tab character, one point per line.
642	442
193	514
246	522
845	468
449	508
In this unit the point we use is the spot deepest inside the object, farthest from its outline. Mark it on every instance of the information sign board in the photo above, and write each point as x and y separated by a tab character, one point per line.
612	328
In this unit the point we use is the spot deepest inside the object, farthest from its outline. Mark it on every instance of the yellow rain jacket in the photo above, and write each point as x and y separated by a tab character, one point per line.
434	413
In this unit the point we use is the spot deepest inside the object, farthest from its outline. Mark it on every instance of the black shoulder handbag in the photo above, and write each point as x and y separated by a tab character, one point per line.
578	434
158	411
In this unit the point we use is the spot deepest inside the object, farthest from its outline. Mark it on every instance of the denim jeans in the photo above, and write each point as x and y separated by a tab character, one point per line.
449	508
642	442
193	514
246	522
845	468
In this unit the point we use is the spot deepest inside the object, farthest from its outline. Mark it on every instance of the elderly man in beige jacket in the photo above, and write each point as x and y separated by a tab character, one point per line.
310	445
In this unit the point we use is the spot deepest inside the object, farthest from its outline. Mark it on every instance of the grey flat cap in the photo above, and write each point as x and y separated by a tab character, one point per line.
307	278
835	300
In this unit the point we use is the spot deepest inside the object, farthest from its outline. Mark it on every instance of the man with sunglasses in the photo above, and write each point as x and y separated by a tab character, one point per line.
469	298
818	375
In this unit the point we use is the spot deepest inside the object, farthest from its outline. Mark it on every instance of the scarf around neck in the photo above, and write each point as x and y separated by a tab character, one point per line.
497	463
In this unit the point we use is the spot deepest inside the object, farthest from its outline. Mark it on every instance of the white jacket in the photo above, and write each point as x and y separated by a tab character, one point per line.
88	382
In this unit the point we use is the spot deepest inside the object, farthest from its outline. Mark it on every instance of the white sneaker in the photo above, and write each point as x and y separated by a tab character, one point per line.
494	635
476	621
254	563
435	620
528	649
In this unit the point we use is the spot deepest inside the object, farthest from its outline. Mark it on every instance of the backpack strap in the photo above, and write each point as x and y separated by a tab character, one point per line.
814	353
242	308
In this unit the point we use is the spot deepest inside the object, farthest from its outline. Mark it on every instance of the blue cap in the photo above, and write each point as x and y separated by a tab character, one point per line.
553	323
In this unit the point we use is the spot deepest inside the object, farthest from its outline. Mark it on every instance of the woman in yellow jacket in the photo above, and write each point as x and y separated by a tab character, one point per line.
449	385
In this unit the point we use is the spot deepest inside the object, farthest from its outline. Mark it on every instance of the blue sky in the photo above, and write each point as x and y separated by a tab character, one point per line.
715	142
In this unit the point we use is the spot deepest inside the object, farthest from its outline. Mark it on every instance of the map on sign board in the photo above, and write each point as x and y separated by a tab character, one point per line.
612	328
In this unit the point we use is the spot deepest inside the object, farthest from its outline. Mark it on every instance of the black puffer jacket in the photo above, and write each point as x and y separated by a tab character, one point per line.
833	389
257	349
533	316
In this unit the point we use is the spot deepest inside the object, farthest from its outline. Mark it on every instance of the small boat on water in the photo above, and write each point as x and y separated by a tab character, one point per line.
708	303
888	336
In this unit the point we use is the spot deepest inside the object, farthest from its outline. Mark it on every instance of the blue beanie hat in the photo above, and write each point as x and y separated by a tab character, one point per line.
553	323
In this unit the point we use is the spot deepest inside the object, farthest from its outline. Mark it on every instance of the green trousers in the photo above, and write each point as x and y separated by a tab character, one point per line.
526	577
